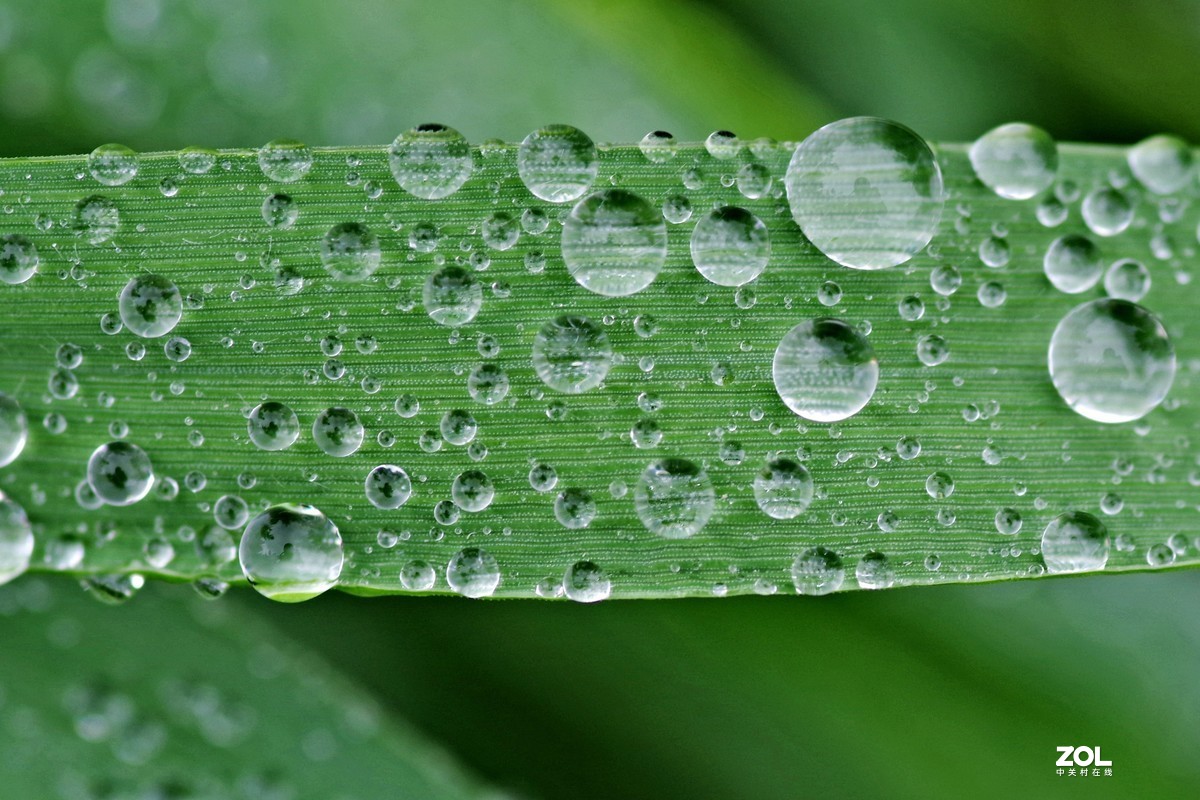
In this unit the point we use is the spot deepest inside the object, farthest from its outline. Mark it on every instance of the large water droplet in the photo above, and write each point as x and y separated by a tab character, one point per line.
1111	360
730	246
614	243
113	164
874	571
867	192
1162	163
97	219
18	258
431	161
272	426
825	370
818	571
120	473
572	354
473	572
574	508
674	498
557	163
1107	211
291	553
1072	263
388	487
350	252
285	160
585	582
16	540
150	306
488	384
452	296
783	488
14	429
1075	542
472	491
1016	161
337	432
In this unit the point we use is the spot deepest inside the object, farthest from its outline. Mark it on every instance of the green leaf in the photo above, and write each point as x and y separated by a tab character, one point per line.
171	698
251	344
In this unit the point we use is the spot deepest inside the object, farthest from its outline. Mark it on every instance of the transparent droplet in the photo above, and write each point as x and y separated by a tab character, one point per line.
231	512
473	572
388	487
939	485
97	219
1016	161
350	252
113	164
280	211
824	370
867	192
674	498
1075	542
991	294
730	246
273	426
783	489
1072	263
458	427
911	308
488	384
1162	163
722	145
1008	521
614	243
120	473
113	590
472	491
418	576
932	349
1111	360
431	161
338	432
285	160
452	296
18	258
14	429
291	553
574	508
586	582
543	478
818	571
557	163
658	146
874	571
1127	279
197	160
150	306
1107	211
572	354
16	540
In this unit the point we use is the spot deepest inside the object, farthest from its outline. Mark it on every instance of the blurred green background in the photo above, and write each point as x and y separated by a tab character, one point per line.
933	692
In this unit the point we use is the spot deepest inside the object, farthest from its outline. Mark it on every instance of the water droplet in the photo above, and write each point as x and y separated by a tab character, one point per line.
120	473
488	384
874	571
231	512
1008	521
932	349
818	571
150	306
472	491
1075	542
1162	163
431	161
197	160
730	246
113	164
500	231
1111	360
783	489
1111	503
16	540
572	354
418	576
585	582
867	192
674	498
991	294
911	308
14	429
543	478
18	258
1127	279
658	146
350	252
557	163
273	426
1072	264
458	427
722	145
824	370
285	160
291	553
1107	211
1016	161
939	486
908	448
280	211
614	243
829	294
452	296
945	279
97	219
473	572
337	432
388	487
113	590
677	209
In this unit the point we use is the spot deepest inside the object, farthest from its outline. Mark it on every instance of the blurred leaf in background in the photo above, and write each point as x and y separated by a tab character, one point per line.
924	692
